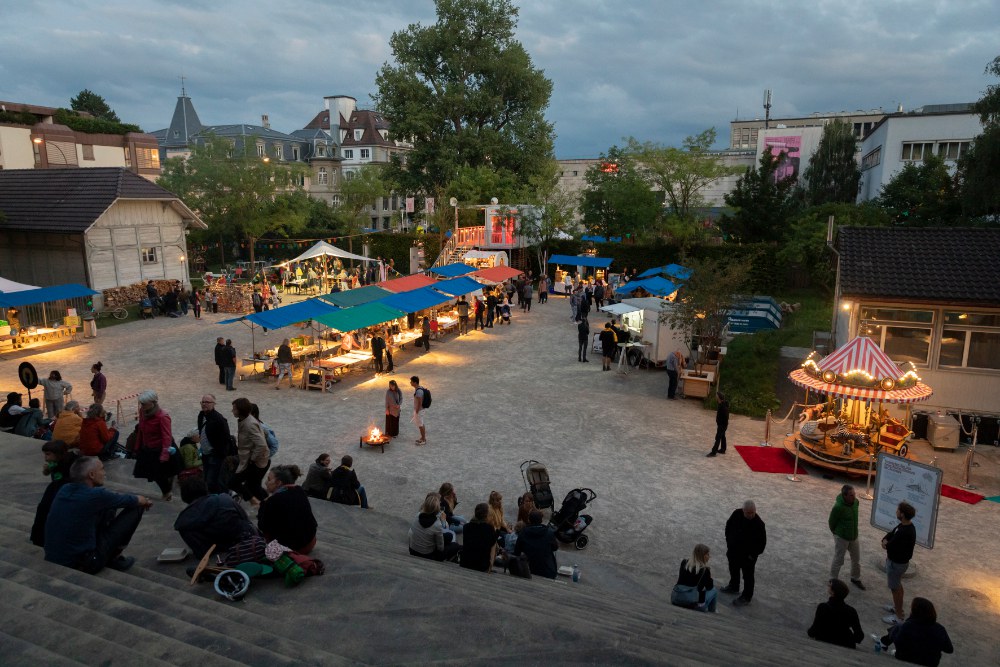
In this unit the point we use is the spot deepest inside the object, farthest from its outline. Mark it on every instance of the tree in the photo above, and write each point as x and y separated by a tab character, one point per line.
833	174
922	195
359	194
93	104
763	203
235	192
618	200
979	167
467	94
706	299
553	212
682	173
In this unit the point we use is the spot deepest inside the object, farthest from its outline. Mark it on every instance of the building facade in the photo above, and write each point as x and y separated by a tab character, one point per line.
744	134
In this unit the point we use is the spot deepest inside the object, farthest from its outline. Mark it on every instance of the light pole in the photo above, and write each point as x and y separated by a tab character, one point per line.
454	204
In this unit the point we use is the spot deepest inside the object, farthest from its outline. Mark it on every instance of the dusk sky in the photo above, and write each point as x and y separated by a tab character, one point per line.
655	70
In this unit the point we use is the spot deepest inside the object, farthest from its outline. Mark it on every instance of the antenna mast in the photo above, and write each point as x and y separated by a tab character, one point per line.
767	108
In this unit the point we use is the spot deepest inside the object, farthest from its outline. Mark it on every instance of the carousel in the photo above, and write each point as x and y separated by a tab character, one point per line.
847	429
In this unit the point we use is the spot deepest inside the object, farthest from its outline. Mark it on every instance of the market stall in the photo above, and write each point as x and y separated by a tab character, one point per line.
485	259
25	314
320	251
848	430
459	286
647	320
452	270
655	285
406	283
495	274
584	265
356	297
325	371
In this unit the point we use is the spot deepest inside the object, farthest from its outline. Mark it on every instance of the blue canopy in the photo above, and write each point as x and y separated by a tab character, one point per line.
359	317
656	286
44	295
581	260
602	239
415	300
452	270
356	296
293	313
458	286
672	270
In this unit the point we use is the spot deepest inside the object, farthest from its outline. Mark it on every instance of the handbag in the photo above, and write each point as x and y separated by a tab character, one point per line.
687	596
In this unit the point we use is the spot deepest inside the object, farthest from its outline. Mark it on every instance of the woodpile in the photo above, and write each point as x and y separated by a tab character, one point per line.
115	297
234	298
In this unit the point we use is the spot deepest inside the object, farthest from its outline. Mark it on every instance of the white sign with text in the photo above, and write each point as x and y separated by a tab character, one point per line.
919	484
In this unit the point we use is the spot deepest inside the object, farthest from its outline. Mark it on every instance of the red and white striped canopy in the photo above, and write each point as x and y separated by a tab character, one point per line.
916	393
861	354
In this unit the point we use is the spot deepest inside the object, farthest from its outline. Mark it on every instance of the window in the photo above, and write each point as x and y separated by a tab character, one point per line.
366	154
335	200
88	151
970	340
953	150
905	335
279	153
128	157
321	176
148	158
873	159
576	173
260	150
149	255
349	175
320	150
295	153
348	154
916	150
358	134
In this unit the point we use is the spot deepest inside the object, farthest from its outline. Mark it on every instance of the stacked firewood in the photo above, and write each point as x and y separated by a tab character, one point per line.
234	298
115	297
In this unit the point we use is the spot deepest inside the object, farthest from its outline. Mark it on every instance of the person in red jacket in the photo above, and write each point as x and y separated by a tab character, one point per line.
154	443
96	439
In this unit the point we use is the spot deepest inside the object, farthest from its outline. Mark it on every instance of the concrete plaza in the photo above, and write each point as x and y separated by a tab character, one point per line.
516	393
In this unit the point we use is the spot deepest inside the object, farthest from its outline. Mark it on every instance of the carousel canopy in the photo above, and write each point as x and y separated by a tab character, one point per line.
860	370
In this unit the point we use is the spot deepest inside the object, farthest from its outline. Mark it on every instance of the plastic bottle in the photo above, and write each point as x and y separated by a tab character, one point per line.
878	642
576	573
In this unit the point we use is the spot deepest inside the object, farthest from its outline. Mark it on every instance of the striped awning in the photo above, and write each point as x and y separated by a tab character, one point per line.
861	354
915	394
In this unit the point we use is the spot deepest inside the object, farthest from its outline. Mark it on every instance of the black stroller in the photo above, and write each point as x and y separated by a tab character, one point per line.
567	522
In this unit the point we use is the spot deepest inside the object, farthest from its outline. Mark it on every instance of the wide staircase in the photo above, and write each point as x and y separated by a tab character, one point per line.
375	605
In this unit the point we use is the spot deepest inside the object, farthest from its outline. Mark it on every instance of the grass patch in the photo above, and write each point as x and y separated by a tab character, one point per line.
814	313
110	321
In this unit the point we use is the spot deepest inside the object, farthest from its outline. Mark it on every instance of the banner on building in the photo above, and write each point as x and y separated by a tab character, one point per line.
409	204
429	205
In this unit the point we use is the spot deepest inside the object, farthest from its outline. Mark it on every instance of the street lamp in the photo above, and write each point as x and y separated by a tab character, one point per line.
454	204
38	141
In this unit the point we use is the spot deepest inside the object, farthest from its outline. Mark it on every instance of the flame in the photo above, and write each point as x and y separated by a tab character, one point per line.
375	434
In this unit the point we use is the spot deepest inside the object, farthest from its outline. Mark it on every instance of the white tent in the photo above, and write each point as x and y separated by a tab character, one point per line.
323	248
491	258
11	286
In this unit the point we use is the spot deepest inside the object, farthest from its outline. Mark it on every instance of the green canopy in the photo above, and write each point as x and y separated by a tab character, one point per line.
355	297
359	317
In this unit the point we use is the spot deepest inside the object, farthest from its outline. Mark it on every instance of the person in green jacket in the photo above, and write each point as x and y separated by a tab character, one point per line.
844	526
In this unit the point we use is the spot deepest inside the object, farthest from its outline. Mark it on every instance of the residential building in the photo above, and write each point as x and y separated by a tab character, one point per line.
30	138
930	296
906	138
102	227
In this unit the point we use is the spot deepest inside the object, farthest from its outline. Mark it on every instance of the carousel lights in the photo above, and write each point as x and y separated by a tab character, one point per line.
829	376
888	384
811	365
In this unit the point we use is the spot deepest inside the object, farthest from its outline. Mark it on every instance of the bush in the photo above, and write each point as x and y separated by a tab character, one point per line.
75	121
749	373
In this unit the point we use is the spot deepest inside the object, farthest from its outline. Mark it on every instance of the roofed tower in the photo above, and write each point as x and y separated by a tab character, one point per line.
184	124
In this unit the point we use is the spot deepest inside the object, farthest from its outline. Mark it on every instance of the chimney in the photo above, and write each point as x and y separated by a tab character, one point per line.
265	122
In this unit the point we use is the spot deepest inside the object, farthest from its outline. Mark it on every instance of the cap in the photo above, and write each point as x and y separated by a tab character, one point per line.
13	395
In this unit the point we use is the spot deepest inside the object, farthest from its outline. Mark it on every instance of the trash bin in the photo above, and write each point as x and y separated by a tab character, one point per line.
89	326
943	431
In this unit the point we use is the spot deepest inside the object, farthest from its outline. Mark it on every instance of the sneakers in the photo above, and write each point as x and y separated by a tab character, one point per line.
740	602
857	582
892	619
710	454
121	563
889	608
420	442
729	589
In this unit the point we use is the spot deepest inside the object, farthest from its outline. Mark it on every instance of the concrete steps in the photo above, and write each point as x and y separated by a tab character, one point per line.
375	605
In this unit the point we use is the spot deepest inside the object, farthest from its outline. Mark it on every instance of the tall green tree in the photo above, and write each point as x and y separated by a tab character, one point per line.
467	94
93	104
922	195
618	200
978	169
763	203
833	175
239	195
553	212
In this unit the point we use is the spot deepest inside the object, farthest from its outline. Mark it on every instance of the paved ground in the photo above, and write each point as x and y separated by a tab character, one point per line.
517	392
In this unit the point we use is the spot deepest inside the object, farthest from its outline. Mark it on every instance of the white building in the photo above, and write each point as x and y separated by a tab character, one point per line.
904	138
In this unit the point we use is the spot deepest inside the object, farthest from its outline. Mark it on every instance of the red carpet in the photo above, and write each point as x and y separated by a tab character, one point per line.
769	459
960	494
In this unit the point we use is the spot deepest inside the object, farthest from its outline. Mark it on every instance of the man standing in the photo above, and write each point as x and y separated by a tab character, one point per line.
425	334
284	361
527	293
491	309
220	360
229	364
583	338
258	304
214	439
675	363
721	424
746	538
84	530
479	309
463	315
418	409
898	545
843	523
378	350
609	343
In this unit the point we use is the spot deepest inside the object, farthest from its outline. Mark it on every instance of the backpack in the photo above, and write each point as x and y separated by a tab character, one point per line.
427	398
517	566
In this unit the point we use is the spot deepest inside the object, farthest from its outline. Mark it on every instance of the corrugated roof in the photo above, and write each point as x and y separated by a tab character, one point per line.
927	265
68	200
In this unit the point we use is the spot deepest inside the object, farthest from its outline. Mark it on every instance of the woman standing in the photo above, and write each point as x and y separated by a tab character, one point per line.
154	444
393	404
56	391
694	588
251	446
98	383
196	304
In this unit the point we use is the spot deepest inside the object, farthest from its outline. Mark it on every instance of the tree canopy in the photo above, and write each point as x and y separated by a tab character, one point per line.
763	203
979	167
359	194
833	174
468	96
93	104
618	200
237	194
922	195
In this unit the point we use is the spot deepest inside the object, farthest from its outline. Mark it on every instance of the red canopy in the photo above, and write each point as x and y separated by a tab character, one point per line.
406	283
496	274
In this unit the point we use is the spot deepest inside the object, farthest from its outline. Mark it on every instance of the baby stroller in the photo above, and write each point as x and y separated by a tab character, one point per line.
536	482
568	523
505	313
146	308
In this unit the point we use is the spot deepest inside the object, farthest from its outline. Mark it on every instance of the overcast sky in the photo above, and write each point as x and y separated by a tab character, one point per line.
656	70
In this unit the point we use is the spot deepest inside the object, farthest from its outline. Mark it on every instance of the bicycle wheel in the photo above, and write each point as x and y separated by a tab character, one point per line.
120	313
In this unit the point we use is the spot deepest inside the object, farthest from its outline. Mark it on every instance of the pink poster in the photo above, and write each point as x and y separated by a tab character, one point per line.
790	147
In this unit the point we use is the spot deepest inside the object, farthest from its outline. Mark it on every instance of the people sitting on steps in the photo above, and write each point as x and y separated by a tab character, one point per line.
344	485
479	544
68	424
216	518
538	541
427	534
58	459
286	515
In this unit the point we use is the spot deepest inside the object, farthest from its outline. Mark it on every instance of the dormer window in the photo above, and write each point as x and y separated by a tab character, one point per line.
321	150
358	134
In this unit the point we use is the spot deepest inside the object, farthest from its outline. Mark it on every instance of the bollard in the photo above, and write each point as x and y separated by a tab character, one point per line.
970	457
767	430
868	487
794	477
